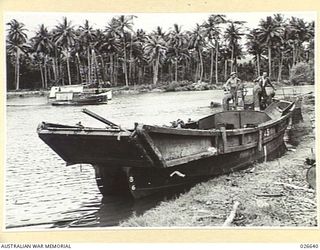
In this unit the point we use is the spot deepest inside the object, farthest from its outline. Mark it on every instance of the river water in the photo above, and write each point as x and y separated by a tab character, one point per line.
42	192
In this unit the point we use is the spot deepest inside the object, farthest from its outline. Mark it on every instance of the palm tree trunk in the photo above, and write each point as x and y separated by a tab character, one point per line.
45	72
197	72
143	73
89	65
80	68
78	74
116	66
211	66
280	67
155	70
17	67
269	60
111	70
139	75
184	71
201	65
130	63
68	69
154	80
176	70
159	73
258	64
217	54
54	69
103	68
61	73
125	62
225	69
95	66
56	64
41	73
134	74
232	61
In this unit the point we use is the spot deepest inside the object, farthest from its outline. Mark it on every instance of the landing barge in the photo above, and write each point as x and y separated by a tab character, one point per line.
149	159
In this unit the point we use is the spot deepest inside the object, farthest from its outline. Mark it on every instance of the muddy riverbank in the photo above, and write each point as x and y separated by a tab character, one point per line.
270	194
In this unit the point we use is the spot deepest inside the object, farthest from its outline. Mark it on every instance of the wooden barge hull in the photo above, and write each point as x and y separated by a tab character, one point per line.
150	159
144	182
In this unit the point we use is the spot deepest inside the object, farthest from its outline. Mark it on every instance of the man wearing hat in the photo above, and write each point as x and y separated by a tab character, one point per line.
231	86
260	92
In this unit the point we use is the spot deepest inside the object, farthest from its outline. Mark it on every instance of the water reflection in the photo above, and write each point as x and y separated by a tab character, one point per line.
112	210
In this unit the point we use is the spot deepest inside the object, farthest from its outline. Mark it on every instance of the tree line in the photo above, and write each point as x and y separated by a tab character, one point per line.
119	55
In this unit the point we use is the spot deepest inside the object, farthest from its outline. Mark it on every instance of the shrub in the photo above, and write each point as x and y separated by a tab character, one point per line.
302	72
178	86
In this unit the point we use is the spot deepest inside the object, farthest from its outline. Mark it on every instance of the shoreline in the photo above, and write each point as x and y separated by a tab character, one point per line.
139	89
124	90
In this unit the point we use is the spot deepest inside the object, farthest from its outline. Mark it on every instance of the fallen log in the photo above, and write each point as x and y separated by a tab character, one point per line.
232	215
269	195
295	187
199	217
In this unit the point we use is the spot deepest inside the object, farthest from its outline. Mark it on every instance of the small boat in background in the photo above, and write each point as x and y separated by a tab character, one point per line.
150	159
78	95
70	98
77	89
99	90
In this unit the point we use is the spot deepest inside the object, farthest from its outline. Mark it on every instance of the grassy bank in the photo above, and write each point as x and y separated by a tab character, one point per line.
263	192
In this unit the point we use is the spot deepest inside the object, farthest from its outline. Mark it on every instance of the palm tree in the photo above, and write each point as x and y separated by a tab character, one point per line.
299	33
130	46
87	37
310	45
177	44
64	36
99	39
137	57
212	32
225	53
138	53
160	33
155	50
233	34
16	40
110	45
269	33
197	43
121	25
43	45
255	48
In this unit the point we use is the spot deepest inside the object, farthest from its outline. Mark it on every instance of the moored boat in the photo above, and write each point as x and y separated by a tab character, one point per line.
69	98
78	95
149	159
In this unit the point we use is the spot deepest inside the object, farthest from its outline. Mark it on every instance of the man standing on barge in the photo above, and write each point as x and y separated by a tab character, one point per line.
232	86
261	98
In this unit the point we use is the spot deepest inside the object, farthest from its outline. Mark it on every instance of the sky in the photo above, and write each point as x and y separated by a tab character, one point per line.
146	21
